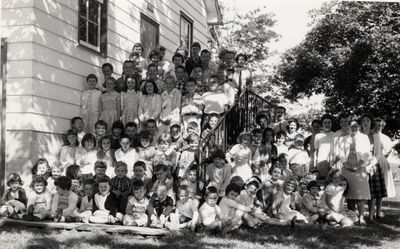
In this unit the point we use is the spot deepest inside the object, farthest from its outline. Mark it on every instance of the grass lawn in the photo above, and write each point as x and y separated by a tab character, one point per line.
382	234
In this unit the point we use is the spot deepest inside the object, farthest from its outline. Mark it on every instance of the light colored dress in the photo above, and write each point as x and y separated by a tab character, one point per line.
90	109
351	150
323	144
130	105
67	156
242	158
109	101
149	107
170	108
86	160
382	145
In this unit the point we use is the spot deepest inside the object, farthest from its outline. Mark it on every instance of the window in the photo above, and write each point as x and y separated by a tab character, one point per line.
186	33
149	34
93	25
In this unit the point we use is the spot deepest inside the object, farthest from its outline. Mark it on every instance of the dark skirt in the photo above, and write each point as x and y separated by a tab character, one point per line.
377	183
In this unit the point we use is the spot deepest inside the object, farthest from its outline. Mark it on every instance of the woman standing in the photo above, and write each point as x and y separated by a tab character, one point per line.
376	179
323	144
354	155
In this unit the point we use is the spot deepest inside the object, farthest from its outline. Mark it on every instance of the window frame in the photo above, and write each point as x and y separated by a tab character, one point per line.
152	22
101	30
184	17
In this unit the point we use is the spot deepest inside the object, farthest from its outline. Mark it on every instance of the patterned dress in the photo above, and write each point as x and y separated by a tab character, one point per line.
109	101
130	105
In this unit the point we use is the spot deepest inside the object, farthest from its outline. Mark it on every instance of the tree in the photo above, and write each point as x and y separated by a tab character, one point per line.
352	55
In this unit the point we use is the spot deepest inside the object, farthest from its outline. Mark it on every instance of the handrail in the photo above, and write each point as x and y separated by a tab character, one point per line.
239	117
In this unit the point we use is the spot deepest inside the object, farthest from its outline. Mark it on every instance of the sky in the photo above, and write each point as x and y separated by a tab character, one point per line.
291	15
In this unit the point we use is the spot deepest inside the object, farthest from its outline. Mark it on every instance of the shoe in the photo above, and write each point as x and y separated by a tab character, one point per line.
85	220
361	221
70	219
127	223
35	218
14	215
27	217
293	221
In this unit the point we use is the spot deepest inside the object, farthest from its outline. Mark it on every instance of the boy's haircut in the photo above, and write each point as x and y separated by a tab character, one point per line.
103	179
198	66
241	55
160	167
89	181
73	172
222	67
88	137
140	164
14	177
71	132
380	120
130	124
74	119
107	65
260	116
280	134
40	161
312	184
299	137
151	120
232	187
281	108
183	188
178	55
175	126
151	65
256	131
128	61
213	76
204	51
237	180
211	190
155	87
100	165
282	155
155	52
63	182
123	136
316	121
162	48
100	123
191	79
218	154
39	179
121	164
330	117
145	135
193	167
213	115
196	44
137	184
91	76
182	67
275	166
117	124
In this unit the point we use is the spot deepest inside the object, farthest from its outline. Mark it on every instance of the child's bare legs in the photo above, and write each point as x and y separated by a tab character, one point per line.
251	220
361	207
379	208
346	222
371	208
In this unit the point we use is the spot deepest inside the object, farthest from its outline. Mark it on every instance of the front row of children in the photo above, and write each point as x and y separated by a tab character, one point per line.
142	202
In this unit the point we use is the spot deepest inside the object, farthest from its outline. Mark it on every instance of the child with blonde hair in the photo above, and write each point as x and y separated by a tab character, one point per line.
130	100
240	157
90	99
39	202
110	103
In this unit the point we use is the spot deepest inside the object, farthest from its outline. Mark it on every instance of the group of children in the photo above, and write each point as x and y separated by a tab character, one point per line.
132	156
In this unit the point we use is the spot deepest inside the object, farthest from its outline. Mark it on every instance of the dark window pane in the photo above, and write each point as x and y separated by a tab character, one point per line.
82	29
82	7
94	11
93	34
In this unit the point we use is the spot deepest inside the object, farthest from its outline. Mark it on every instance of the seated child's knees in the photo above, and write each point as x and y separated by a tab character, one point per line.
346	222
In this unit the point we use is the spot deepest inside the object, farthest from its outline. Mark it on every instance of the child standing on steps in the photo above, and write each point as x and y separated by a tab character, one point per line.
86	156
90	100
110	103
239	157
130	100
68	151
150	103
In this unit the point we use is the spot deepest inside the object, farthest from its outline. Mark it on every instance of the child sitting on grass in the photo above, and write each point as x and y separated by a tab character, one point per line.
14	200
86	207
105	204
139	174
210	212
39	202
64	203
135	213
311	203
163	177
121	185
160	207
56	172
187	213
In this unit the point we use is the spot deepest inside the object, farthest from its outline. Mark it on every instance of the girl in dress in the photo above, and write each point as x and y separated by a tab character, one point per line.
130	100
323	145
292	127
86	156
309	141
298	158
110	103
354	155
106	155
165	153
68	151
90	104
171	104
150	103
239	157
377	184
283	206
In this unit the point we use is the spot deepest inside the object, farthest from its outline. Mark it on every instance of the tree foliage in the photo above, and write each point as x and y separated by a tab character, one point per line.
352	55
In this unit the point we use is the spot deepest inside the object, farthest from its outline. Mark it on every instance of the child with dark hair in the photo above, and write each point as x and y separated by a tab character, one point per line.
218	172
192	104
151	127
177	140
64	203
14	199
110	103
150	103
147	151
86	207
41	168
160	206
106	154
280	143
105	204
86	156
194	185
131	130
162	176
121	185
260	153
139	174
210	212
135	213
188	157
117	130
74	173
39	202
311	206
100	171
77	125
126	154
68	151
90	104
